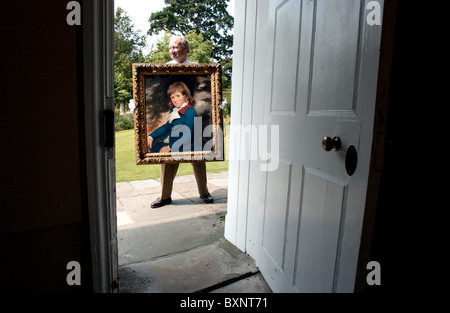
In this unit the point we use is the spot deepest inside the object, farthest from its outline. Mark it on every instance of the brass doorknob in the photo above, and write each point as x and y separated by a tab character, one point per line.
329	143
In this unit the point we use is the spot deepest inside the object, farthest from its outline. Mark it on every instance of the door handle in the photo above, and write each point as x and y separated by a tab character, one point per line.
329	143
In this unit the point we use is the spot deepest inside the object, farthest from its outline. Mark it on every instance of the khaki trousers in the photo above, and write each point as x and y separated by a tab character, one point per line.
169	171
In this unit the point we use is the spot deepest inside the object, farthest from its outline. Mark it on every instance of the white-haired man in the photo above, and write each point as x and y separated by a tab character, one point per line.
178	50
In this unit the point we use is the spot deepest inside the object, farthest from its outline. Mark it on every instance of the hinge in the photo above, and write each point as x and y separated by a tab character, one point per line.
108	128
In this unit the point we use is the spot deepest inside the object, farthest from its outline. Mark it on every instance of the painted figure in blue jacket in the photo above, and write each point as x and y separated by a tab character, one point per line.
177	134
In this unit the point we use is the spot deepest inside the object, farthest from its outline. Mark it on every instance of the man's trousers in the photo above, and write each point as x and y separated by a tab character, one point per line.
169	171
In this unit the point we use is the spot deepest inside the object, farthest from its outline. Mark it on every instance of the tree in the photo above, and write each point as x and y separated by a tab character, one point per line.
122	89
227	69
206	17
128	45
199	49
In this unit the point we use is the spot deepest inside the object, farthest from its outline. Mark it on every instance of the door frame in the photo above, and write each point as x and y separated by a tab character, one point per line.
380	141
98	89
98	80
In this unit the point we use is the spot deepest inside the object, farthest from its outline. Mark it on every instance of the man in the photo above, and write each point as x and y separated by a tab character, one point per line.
178	50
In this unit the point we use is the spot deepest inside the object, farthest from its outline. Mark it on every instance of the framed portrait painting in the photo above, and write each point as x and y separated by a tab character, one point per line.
178	116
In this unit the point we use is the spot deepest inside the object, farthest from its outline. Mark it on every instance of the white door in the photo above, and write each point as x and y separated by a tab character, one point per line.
320	76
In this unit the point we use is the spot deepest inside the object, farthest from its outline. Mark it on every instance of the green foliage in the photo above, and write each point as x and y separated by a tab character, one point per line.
207	17
128	45
226	94
127	170
122	88
124	121
227	67
161	53
199	49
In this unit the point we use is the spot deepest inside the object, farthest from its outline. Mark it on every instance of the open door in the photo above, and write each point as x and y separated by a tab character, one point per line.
98	68
320	61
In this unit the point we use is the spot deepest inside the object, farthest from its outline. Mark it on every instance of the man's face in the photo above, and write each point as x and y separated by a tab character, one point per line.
177	51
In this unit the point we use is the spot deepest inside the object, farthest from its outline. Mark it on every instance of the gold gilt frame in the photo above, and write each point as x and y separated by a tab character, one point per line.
150	83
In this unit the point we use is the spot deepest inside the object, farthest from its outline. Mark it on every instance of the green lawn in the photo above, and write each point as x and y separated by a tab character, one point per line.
127	170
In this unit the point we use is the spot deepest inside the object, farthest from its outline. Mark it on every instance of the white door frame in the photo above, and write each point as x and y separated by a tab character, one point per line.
98	71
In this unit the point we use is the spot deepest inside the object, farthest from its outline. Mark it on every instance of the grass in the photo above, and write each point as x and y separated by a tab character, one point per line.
127	170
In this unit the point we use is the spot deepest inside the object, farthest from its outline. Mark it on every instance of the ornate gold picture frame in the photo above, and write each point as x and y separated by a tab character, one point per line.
150	85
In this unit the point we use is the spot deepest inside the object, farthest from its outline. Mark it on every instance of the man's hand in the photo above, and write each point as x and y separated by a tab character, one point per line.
149	143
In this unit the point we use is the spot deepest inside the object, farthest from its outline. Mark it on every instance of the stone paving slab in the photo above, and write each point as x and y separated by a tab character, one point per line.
134	199
149	241
187	272
179	247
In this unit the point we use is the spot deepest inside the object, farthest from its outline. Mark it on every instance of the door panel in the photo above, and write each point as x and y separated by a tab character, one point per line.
322	205
276	217
285	43
321	81
334	54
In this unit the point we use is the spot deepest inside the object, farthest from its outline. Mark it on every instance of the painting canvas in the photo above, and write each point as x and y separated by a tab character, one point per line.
195	133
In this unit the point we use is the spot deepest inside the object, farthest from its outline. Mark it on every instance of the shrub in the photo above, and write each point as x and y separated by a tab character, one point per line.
123	122
226	109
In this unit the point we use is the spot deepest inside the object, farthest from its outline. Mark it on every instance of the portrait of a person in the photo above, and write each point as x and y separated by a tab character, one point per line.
177	134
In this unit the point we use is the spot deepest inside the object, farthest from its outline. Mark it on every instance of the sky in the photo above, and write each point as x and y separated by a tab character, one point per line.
139	11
